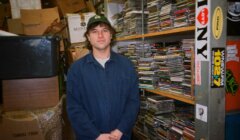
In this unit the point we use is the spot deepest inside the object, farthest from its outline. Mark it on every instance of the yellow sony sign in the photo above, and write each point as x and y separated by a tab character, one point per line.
217	23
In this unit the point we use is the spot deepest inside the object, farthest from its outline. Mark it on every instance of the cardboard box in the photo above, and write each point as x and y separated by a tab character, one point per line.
35	22
69	6
76	52
20	126
16	5
43	124
25	94
15	26
77	25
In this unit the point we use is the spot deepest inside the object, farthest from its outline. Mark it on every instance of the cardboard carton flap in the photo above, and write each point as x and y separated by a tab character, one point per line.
38	16
30	17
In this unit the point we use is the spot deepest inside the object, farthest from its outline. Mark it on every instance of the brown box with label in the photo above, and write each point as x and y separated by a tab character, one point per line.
20	126
39	124
25	94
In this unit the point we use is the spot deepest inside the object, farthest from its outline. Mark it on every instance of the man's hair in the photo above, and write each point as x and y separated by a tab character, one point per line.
93	25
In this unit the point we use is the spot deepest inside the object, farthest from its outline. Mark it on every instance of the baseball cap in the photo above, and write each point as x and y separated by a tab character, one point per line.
98	18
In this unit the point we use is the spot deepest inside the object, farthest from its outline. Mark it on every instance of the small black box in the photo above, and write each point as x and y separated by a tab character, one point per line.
28	56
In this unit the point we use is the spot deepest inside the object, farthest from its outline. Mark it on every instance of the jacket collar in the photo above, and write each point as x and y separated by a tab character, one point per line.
91	59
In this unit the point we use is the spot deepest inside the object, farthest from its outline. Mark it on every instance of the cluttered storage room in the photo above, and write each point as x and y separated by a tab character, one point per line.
119	69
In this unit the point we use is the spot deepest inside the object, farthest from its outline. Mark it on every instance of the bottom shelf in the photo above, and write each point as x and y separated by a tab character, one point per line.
183	98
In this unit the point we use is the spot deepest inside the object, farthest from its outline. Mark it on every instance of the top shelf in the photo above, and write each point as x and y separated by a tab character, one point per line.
165	32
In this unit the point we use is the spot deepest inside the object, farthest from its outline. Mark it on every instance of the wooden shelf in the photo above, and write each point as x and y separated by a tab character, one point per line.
171	31
165	32
183	98
129	37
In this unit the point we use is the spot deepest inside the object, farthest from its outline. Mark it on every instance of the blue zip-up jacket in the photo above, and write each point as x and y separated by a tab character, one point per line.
100	100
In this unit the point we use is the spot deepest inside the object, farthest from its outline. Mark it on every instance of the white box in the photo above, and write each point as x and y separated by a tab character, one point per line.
77	26
16	5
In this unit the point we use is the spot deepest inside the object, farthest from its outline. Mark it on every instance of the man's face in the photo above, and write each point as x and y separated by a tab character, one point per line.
100	37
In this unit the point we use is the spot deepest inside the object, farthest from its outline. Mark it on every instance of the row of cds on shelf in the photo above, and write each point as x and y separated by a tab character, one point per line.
165	14
159	119
158	15
163	65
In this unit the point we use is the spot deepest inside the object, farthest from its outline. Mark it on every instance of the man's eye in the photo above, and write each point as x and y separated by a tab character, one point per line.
94	31
106	30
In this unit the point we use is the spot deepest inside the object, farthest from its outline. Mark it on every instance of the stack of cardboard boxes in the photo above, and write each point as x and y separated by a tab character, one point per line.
33	20
30	88
31	106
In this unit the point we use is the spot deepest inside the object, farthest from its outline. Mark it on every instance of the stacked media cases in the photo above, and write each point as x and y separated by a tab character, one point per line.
166	19
184	13
160	119
156	118
155	16
153	22
167	14
188	49
169	60
130	51
118	24
154	123
158	107
163	65
134	23
133	15
147	70
182	125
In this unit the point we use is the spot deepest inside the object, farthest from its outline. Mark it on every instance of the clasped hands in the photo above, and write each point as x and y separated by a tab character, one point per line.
114	135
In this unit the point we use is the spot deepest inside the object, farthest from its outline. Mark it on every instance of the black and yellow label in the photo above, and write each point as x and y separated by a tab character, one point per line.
218	67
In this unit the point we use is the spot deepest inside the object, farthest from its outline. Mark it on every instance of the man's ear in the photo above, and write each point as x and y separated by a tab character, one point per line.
87	37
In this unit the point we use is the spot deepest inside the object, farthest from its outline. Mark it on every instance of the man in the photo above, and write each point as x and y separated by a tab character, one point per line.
102	88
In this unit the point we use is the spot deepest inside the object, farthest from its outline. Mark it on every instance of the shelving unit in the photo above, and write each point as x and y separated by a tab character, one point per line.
180	97
210	27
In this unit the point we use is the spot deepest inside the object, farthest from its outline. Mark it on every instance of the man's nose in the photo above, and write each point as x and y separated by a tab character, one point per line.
100	34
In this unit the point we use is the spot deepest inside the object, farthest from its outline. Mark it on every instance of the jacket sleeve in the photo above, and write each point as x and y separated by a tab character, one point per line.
132	105
79	119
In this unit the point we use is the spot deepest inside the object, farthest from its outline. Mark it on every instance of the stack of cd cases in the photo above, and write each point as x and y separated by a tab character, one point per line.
118	24
183	13
166	21
158	116
130	51
134	24
153	7
188	49
133	17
